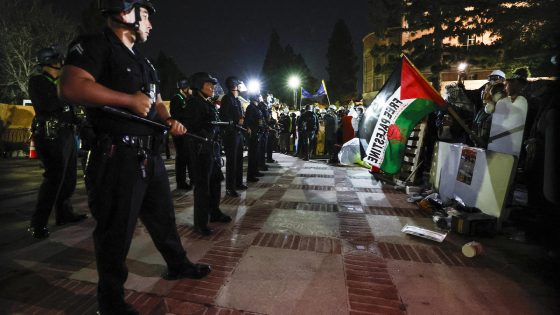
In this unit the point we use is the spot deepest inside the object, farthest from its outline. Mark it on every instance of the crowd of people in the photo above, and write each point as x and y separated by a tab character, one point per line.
126	127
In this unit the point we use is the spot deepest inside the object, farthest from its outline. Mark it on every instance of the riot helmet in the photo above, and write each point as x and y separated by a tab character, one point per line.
116	6
233	83
108	7
49	56
255	97
183	83
198	79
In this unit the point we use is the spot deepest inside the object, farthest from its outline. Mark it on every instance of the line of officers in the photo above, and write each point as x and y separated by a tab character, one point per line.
233	127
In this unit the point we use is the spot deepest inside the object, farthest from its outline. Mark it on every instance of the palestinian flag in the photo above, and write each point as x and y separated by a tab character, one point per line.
404	100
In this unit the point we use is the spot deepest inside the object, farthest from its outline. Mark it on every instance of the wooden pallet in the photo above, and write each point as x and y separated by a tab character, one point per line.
412	156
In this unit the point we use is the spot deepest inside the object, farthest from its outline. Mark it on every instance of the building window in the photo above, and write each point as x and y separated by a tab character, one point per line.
471	41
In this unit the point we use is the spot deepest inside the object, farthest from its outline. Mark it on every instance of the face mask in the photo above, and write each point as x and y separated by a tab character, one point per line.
489	108
497	97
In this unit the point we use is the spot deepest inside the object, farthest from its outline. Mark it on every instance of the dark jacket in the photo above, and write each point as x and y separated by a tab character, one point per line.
201	113
254	118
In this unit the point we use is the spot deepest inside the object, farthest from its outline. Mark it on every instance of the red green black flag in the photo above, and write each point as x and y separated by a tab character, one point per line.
404	100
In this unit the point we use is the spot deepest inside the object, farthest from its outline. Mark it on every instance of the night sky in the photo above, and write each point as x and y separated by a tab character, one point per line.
231	37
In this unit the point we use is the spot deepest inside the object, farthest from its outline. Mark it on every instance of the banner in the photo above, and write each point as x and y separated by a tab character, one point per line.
404	100
320	92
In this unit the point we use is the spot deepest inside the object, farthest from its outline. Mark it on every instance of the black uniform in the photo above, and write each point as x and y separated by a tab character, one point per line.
231	111
254	121
272	141
54	135
307	127
125	177
183	163
263	141
207	159
330	133
285	129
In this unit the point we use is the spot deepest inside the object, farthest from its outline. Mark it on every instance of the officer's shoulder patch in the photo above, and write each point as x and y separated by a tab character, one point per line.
84	43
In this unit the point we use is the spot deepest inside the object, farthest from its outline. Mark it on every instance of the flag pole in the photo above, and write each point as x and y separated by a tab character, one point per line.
301	98
326	93
476	139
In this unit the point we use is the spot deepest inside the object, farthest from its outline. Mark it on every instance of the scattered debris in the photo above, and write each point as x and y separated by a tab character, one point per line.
424	233
472	249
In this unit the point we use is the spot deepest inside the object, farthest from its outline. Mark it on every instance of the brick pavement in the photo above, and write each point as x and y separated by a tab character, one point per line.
309	238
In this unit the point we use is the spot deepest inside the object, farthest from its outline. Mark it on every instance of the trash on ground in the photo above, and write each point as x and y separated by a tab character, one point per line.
474	224
472	249
424	233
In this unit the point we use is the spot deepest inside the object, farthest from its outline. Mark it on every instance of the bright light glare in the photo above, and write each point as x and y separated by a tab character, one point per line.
462	66
254	87
294	82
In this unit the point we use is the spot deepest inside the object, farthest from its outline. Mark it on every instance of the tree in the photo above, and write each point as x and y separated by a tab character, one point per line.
385	14
386	20
25	27
279	64
169	73
342	64
432	23
529	34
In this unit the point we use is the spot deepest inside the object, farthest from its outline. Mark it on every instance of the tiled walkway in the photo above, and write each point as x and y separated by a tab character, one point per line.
308	238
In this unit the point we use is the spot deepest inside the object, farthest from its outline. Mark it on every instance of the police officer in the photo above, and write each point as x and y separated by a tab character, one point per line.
263	141
285	128
231	111
307	126
178	109
54	135
206	155
125	176
253	122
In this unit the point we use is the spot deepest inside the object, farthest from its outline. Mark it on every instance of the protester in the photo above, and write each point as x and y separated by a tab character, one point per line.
483	119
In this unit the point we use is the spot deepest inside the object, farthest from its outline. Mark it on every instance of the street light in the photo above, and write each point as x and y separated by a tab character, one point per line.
254	87
462	67
294	82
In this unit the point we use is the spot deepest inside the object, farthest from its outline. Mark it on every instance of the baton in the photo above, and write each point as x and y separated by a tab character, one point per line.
152	123
228	123
130	116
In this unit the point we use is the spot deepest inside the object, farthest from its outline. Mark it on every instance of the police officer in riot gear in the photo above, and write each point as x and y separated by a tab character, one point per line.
307	127
231	111
125	176
206	155
263	141
183	163
254	123
54	135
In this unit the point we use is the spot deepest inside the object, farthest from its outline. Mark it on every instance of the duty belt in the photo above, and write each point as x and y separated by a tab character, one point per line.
141	142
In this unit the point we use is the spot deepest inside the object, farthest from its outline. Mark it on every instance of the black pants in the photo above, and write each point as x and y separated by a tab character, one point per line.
253	155
207	181
270	144
284	144
183	162
306	144
233	145
263	141
59	157
118	195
